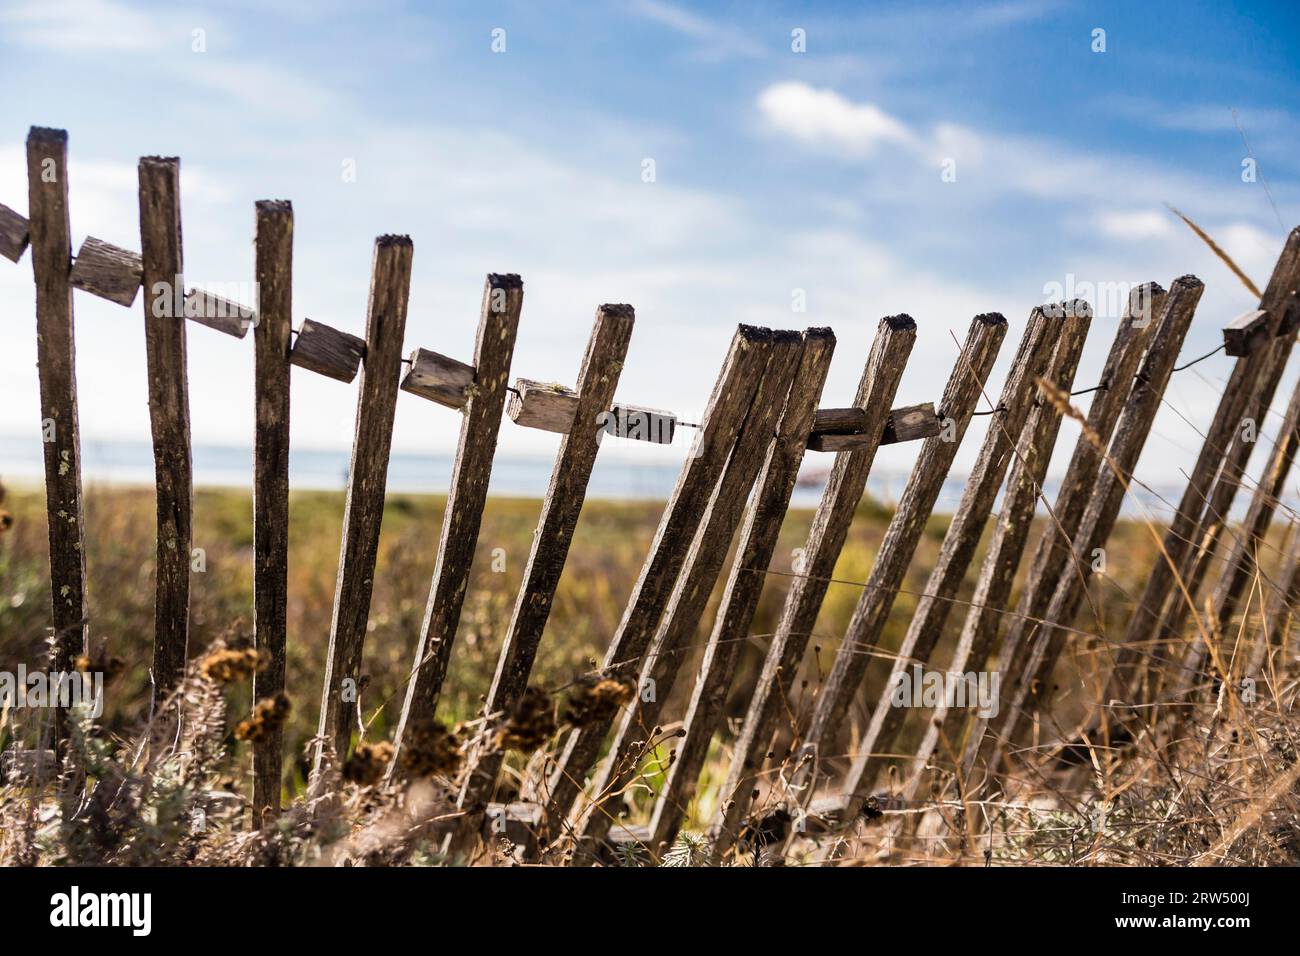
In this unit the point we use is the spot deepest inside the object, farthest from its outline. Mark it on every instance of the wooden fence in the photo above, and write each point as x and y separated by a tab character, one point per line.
730	499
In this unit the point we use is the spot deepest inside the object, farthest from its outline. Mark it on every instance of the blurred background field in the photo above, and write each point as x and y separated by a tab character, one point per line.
609	546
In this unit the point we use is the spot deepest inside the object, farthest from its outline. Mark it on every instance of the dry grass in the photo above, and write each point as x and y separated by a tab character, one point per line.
1221	791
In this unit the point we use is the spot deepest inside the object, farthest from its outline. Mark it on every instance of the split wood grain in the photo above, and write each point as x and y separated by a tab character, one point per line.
326	351
881	376
1041	337
273	271
107	271
739	602
390	283
708	553
732	394
47	197
169	413
494	347
598	377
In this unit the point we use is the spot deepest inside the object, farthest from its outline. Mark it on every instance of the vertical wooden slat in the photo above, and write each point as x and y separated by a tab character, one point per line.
169	412
1053	552
1007	542
274	275
744	586
1242	560
1214	519
690	596
1042	333
47	196
730	400
597	379
1109	489
494	347
893	343
1181	535
390	283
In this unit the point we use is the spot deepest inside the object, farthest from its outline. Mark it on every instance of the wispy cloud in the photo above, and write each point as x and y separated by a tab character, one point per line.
715	40
81	25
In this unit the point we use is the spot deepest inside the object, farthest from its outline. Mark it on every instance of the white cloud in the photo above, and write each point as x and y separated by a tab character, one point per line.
824	118
1134	225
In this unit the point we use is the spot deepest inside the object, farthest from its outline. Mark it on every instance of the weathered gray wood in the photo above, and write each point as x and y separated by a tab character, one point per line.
494	347
169	413
273	269
543	405
1242	559
638	423
1042	333
740	599
107	271
728	404
13	234
1245	333
1108	492
550	407
1283	602
327	351
1006	545
439	379
47	197
597	379
1149	618
1227	483
217	312
390	284
839	421
893	343
909	423
1240	564
704	561
1053	551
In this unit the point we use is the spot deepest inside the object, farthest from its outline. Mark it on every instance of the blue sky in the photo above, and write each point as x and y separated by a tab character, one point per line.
775	171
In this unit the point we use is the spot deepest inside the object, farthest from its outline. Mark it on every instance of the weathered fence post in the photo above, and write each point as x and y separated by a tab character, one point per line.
728	404
1054	549
1042	334
740	599
494	346
390	283
1148	618
708	552
893	343
1009	537
1108	492
47	196
602	364
273	272
169	412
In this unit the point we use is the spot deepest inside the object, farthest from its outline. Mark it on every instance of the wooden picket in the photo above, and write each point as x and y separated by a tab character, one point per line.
735	487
